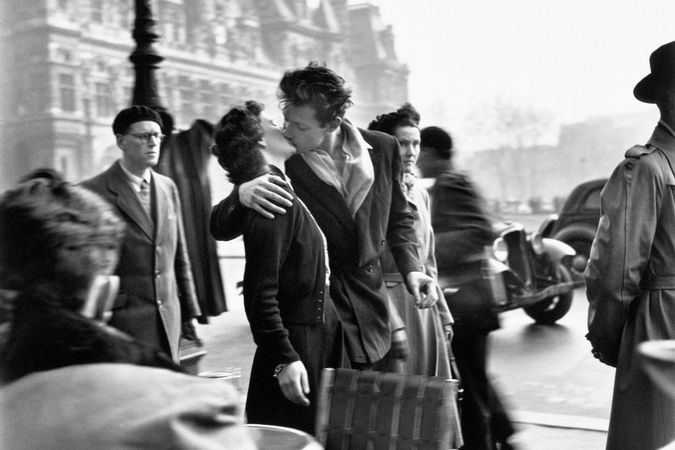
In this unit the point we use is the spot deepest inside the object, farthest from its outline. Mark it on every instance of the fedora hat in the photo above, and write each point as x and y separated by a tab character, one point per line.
662	66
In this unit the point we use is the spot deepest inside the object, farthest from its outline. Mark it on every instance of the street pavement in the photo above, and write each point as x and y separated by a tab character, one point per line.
546	423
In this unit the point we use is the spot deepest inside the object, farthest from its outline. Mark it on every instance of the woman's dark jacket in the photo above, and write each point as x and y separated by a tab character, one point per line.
46	336
284	278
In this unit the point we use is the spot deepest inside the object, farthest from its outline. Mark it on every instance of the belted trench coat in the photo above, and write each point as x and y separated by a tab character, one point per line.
630	281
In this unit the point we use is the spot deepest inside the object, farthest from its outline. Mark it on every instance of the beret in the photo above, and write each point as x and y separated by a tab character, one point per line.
133	114
435	137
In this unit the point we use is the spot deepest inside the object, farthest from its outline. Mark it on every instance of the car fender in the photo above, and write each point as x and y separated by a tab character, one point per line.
556	250
547	225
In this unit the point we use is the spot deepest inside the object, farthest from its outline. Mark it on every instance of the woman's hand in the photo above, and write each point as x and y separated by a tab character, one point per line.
294	383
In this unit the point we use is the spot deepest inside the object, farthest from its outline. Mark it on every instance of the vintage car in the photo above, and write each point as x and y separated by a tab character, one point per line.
577	222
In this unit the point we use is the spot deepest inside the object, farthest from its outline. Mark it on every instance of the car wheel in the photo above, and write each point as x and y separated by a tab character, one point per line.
580	239
577	264
551	309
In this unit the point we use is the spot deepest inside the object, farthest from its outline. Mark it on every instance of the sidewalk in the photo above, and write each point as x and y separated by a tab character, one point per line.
229	344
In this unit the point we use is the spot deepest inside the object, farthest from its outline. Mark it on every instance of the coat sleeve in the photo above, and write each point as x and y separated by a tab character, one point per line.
400	230
630	207
267	244
227	217
460	224
182	268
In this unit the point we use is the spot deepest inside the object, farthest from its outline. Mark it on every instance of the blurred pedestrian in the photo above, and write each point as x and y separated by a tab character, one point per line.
292	318
630	277
350	180
429	330
462	231
58	245
157	301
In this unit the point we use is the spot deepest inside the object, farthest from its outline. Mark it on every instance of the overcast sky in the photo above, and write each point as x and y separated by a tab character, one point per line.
572	58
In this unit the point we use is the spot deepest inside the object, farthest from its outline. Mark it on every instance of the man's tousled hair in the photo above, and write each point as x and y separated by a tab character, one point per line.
318	86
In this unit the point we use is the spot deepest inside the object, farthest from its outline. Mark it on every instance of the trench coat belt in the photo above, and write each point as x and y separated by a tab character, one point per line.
653	282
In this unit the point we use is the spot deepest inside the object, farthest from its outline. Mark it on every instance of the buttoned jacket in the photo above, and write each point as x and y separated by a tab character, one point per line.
154	269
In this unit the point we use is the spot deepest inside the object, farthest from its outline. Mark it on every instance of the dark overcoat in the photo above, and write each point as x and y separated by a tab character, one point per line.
186	160
356	243
156	288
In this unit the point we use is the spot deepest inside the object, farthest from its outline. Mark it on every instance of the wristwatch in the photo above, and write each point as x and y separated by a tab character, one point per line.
278	369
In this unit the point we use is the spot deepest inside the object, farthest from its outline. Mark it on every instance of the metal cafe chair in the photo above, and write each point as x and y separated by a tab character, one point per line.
376	410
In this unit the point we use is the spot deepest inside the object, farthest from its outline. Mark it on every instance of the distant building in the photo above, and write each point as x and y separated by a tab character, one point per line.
585	151
65	70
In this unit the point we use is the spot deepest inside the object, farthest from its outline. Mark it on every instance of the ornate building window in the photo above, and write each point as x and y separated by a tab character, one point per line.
64	5
219	28
174	27
206	100
125	14
67	92
186	99
127	96
103	100
96	13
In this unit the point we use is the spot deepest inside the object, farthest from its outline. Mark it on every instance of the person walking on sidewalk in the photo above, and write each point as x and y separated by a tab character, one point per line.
462	230
630	276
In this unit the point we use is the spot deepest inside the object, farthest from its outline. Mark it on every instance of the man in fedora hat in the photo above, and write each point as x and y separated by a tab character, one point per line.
630	276
157	300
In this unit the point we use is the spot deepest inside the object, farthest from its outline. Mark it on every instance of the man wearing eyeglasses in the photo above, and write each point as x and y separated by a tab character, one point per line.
157	300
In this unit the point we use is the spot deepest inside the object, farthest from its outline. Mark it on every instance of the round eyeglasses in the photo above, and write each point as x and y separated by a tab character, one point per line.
148	137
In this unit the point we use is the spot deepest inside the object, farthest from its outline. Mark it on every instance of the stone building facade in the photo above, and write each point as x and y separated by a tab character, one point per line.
65	68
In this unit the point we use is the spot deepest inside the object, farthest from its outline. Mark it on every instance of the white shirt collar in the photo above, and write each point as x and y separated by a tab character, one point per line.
136	180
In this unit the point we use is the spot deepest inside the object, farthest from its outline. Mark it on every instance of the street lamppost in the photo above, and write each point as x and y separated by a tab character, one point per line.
146	59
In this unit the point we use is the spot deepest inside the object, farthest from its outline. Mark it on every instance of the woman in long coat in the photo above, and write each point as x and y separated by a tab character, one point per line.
427	330
630	277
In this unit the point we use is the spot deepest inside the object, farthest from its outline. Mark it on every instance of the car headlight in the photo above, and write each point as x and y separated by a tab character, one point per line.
537	242
500	250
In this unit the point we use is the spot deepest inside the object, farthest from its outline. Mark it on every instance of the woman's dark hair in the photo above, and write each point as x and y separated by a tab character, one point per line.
39	218
405	116
237	137
318	86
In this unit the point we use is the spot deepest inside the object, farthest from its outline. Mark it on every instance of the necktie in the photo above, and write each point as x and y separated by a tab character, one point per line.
144	195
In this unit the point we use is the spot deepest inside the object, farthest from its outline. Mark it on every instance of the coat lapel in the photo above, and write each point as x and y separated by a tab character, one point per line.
161	195
302	175
127	200
365	206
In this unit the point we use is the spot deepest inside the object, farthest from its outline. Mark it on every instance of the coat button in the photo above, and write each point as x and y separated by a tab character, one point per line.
382	242
159	303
